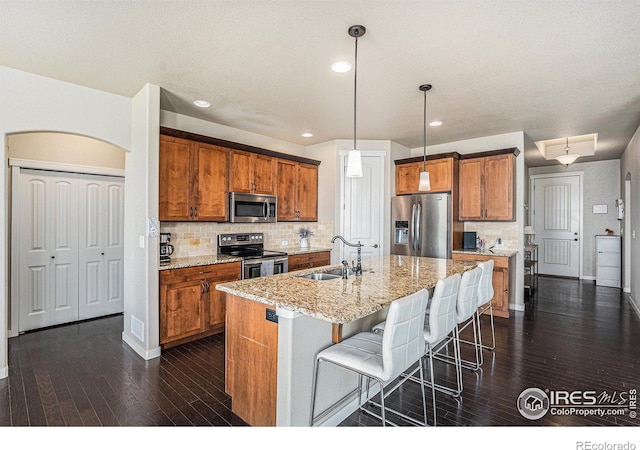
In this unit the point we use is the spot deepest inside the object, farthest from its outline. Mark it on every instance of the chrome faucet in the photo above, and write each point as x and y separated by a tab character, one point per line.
345	269
357	269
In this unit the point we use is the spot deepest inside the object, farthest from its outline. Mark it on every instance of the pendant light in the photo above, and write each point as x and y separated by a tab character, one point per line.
568	158
425	182
354	164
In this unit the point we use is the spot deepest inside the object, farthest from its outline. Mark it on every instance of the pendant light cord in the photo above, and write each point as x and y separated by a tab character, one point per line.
424	153
355	94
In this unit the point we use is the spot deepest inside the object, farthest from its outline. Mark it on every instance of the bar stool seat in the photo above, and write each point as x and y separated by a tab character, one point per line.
383	357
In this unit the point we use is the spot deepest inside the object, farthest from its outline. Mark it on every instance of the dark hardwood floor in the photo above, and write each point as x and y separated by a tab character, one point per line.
573	336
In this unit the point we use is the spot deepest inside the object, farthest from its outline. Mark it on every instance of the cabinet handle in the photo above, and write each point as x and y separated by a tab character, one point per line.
202	288
190	211
195	211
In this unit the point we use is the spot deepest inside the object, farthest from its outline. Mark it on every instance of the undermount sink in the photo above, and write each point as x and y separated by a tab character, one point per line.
320	276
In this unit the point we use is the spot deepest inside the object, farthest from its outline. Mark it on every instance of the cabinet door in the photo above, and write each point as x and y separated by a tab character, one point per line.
264	174
307	192
408	178
175	179
240	179
181	310
440	174
210	189
500	301
286	189
498	187
216	299
471	191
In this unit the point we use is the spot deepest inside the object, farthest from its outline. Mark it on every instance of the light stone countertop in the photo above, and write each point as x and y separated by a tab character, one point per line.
297	250
487	252
342	301
192	261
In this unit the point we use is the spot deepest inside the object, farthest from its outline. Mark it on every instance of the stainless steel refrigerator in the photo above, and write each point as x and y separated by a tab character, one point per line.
421	225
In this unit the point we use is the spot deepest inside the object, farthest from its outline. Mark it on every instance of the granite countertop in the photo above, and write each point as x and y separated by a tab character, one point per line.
297	250
342	301
487	252
192	261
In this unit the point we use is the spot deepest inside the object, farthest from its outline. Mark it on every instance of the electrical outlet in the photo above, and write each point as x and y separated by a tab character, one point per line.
284	243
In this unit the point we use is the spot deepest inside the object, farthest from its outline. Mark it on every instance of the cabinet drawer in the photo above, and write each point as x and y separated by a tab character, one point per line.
215	272
309	260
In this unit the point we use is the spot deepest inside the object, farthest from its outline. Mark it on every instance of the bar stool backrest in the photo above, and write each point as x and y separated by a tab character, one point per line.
468	294
485	289
442	310
403	338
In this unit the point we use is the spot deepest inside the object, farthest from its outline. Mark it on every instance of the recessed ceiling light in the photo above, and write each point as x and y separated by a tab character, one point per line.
341	66
435	123
202	103
307	134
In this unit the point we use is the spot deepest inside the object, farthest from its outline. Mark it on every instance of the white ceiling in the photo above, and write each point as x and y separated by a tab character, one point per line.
549	68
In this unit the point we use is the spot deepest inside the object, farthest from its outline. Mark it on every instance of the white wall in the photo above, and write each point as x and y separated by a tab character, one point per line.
65	148
601	186
511	229
30	102
141	279
630	164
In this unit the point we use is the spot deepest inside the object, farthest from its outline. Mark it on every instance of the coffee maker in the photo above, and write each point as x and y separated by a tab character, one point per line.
166	249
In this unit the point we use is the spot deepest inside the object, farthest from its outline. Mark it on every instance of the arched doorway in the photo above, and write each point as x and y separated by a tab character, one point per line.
74	186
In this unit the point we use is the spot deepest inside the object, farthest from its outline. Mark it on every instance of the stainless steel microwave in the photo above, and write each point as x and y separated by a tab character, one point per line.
252	208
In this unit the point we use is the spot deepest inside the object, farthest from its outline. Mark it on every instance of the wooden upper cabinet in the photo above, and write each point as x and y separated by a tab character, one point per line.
210	186
307	192
297	190
175	178
487	188
441	176
193	181
286	189
252	173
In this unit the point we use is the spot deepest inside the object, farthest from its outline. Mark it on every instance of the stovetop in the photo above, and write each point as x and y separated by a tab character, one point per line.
245	245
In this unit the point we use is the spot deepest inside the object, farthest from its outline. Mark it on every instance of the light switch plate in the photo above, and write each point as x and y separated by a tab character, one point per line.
141	241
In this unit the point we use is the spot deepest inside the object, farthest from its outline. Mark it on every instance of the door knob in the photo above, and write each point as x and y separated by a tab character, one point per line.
375	245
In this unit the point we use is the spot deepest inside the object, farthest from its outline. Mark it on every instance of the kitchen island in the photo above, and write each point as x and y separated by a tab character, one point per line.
276	325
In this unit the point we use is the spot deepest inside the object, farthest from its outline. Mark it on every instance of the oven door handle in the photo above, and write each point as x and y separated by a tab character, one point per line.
266	210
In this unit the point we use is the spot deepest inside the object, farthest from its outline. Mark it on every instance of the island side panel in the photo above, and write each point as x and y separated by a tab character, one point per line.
251	346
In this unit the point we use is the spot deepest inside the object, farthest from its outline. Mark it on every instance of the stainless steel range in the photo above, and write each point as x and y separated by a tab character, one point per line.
256	261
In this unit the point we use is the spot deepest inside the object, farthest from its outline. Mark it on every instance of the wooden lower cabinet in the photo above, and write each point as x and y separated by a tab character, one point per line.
503	270
190	306
251	372
309	260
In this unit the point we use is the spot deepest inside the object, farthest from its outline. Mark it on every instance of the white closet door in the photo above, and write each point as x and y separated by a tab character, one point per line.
101	246
48	293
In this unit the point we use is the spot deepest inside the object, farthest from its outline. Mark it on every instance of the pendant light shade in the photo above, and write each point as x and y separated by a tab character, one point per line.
354	164
568	158
425	182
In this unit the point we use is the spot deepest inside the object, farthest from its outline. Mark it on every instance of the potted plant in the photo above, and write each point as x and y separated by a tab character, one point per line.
304	236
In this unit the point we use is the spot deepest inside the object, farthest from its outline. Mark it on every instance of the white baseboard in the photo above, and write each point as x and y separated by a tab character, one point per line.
4	372
626	290
145	354
588	277
516	307
635	306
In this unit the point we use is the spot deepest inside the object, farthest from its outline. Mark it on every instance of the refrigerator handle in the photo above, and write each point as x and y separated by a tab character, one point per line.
413	224
418	231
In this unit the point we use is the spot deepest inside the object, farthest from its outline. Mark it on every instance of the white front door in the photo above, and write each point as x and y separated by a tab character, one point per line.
557	220
362	218
48	287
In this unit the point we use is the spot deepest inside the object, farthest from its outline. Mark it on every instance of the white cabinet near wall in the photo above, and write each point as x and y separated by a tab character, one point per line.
608	261
68	246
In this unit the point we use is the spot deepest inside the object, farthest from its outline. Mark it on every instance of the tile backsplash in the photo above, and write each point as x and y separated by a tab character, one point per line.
509	232
200	238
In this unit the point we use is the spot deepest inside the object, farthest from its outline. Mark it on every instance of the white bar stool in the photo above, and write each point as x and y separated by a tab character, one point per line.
383	357
485	296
